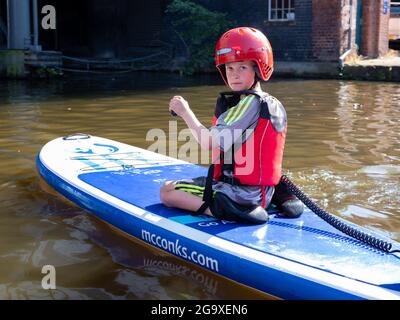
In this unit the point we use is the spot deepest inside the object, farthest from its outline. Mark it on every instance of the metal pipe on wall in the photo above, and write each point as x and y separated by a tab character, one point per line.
36	46
349	42
18	23
350	25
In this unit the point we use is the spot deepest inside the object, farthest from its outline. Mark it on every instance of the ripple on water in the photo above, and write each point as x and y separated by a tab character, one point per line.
358	211
60	252
381	170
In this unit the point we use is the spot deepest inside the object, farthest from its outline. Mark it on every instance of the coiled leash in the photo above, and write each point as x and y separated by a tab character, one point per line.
337	223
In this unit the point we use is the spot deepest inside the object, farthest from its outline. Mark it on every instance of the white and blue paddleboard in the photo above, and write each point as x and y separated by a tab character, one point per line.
302	258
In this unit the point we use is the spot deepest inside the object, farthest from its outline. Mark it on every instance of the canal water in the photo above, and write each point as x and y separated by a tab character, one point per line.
342	149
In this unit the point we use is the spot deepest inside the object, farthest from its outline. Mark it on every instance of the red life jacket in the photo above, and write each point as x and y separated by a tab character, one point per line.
258	161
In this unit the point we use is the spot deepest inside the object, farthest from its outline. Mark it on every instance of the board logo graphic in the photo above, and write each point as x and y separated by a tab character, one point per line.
96	148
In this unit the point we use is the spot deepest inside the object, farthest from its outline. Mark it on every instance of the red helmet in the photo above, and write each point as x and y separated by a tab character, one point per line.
242	44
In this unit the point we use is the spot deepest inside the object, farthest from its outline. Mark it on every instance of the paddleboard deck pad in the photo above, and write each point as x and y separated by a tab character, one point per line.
301	258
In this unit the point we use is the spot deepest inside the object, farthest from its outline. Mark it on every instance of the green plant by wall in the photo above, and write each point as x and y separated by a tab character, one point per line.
46	72
199	29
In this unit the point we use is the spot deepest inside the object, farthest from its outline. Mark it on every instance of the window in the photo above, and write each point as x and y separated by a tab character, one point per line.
281	10
395	8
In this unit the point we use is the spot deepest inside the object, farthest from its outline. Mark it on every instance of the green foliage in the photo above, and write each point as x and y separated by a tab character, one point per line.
46	72
199	29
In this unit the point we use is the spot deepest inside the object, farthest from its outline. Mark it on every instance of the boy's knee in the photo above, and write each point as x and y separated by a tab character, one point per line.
164	197
168	185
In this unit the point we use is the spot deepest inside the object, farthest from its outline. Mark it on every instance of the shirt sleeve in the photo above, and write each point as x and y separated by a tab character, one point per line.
237	123
277	113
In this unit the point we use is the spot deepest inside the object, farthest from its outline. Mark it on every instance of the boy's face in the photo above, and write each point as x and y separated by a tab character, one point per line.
240	75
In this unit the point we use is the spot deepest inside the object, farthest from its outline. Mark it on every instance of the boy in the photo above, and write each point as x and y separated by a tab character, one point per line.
246	166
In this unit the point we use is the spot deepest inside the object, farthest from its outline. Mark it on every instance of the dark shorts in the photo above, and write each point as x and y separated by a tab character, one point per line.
222	206
193	186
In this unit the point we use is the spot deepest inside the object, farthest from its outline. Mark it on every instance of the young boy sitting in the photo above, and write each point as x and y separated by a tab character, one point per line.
247	139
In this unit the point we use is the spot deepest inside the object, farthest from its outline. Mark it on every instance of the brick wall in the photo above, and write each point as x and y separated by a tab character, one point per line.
290	40
374	29
326	24
320	31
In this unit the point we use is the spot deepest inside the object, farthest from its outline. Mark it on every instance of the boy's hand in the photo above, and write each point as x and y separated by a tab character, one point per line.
179	106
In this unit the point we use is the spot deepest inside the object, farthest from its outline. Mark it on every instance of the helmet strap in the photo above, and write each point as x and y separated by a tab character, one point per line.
257	78
222	68
255	84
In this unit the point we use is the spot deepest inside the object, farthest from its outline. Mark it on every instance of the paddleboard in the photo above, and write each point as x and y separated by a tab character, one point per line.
301	258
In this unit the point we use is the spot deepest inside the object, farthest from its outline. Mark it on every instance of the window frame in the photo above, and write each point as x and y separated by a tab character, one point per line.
282	9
